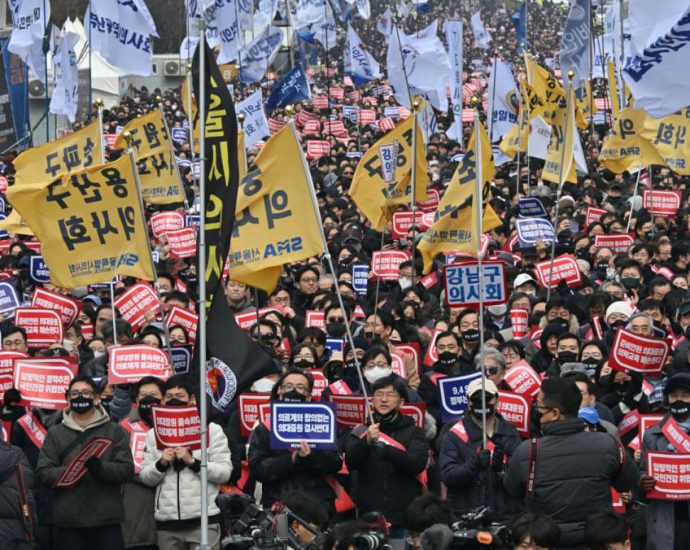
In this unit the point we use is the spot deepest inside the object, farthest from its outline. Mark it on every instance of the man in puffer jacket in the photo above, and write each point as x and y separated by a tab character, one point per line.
175	474
14	527
573	469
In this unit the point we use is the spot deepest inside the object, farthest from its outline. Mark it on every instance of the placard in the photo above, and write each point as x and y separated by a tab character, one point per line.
385	264
531	207
593	215
162	222
661	203
43	326
351	410
632	352
360	278
315	318
519	321
248	405
320	383
433	198
431	356
532	230
292	423
67	308
565	268
453	393
523	379
8	298
7	369
185	318
76	469
135	301
181	358
461	281
247	319
176	427
129	364
672	474
38	270
617	243
182	242
515	410
404	221
43	382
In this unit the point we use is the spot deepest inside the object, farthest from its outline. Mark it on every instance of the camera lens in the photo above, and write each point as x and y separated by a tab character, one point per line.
365	541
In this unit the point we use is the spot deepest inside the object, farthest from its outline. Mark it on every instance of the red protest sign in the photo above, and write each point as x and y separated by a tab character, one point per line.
137	444
43	326
523	379
177	427
163	222
593	215
87	331
565	268
315	318
519	320
433	198
661	203
404	221
137	300
318	148
7	369
76	469
632	352
249	404
672	474
412	349
617	243
66	307
129	364
185	318
3	184
33	245
431	356
630	422
647	421
415	411
248	319
182	242
429	280
43	382
320	383
385	264
350	410
398	363
515	410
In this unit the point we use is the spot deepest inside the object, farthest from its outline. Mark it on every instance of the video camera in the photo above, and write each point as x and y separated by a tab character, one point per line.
476	530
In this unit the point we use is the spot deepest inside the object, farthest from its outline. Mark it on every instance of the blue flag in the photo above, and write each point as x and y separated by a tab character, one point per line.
520	24
289	89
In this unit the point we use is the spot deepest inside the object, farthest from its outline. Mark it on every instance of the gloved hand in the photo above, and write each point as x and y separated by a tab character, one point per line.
484	458
94	465
634	388
497	463
647	483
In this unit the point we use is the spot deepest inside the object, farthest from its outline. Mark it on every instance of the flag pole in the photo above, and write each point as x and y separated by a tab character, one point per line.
172	155
99	106
190	119
47	30
331	267
203	413
479	192
413	184
561	175
114	311
632	203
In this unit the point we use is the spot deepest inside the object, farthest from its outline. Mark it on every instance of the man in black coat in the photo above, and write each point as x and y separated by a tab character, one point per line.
389	457
572	470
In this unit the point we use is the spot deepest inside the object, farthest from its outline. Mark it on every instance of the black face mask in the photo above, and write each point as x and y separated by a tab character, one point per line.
369	336
566	357
630	282
680	410
621	387
176	403
618	324
447	359
535	421
336	329
602	267
293	396
470	336
561	322
302	364
145	408
476	410
106	402
81	404
10	414
350	377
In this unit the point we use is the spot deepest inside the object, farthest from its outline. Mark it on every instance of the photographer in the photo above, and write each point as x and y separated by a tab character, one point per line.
308	510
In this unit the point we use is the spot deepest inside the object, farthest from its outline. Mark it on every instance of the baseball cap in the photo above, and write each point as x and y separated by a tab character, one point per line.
476	387
679	380
589	415
522	279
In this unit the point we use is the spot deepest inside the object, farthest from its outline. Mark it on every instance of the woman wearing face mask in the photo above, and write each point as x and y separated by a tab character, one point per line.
282	472
139	526
303	357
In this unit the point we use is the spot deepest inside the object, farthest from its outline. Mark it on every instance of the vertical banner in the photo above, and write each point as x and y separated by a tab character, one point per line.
17	83
453	30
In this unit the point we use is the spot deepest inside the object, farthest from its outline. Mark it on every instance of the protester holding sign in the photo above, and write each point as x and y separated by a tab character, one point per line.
99	476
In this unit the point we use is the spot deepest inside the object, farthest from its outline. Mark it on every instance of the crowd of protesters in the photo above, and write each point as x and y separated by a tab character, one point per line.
428	475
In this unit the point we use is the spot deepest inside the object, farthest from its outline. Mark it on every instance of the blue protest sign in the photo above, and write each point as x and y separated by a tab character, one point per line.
156	256
335	345
181	359
179	134
193	220
3	205
3	234
292	423
531	230
531	207
8	298
462	283
453	393
360	278
38	270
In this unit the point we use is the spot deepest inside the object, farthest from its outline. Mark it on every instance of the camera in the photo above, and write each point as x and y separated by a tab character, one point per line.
373	540
476	530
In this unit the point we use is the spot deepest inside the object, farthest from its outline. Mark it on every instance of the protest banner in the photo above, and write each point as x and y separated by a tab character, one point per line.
129	364
532	230
66	307
7	369
35	431
315	318
633	352
181	359
398	363
8	298
182	242
351	410
404	221
461	281
248	319
137	300
248	406
593	215
661	203
429	280
360	278
519	320
176	427
162	222
292	423
43	326
523	379
185	318
385	264
629	422
433	198
617	243
87	331
453	392
76	469
515	409
531	207
416	411
43	382
565	268
430	357
320	383
38	270
672	474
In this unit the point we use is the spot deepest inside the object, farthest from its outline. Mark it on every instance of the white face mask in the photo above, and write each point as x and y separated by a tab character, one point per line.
372	375
97	354
498	310
263	385
405	283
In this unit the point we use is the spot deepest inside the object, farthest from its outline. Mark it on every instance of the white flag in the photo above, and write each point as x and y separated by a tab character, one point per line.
403	10
309	11
30	19
245	11
539	138
361	65
453	32
121	32
384	24
481	37
228	25
504	101
264	14
426	32
325	30
658	77
256	57
66	92
396	70
255	123
363	8
599	67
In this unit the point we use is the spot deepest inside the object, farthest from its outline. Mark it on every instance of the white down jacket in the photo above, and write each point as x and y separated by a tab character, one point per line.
178	494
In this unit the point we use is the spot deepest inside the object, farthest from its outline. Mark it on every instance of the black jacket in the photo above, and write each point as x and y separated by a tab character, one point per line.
386	477
280	476
574	474
428	388
468	484
11	523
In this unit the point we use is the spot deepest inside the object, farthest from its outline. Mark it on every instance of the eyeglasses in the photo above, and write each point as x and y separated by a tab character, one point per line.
299	387
491	371
304	357
89	394
385	395
380	364
309	281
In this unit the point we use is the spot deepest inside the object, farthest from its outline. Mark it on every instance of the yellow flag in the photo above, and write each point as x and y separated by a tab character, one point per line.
454	228
160	181
625	148
73	152
190	111
369	190
670	137
276	222
560	158
517	138
90	224
14	223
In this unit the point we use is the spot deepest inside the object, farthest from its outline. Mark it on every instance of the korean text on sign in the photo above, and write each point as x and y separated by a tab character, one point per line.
462	283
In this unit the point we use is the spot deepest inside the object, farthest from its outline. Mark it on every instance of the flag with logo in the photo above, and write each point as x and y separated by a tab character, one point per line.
369	190
257	56
481	37
361	65
291	88
504	100
30	22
